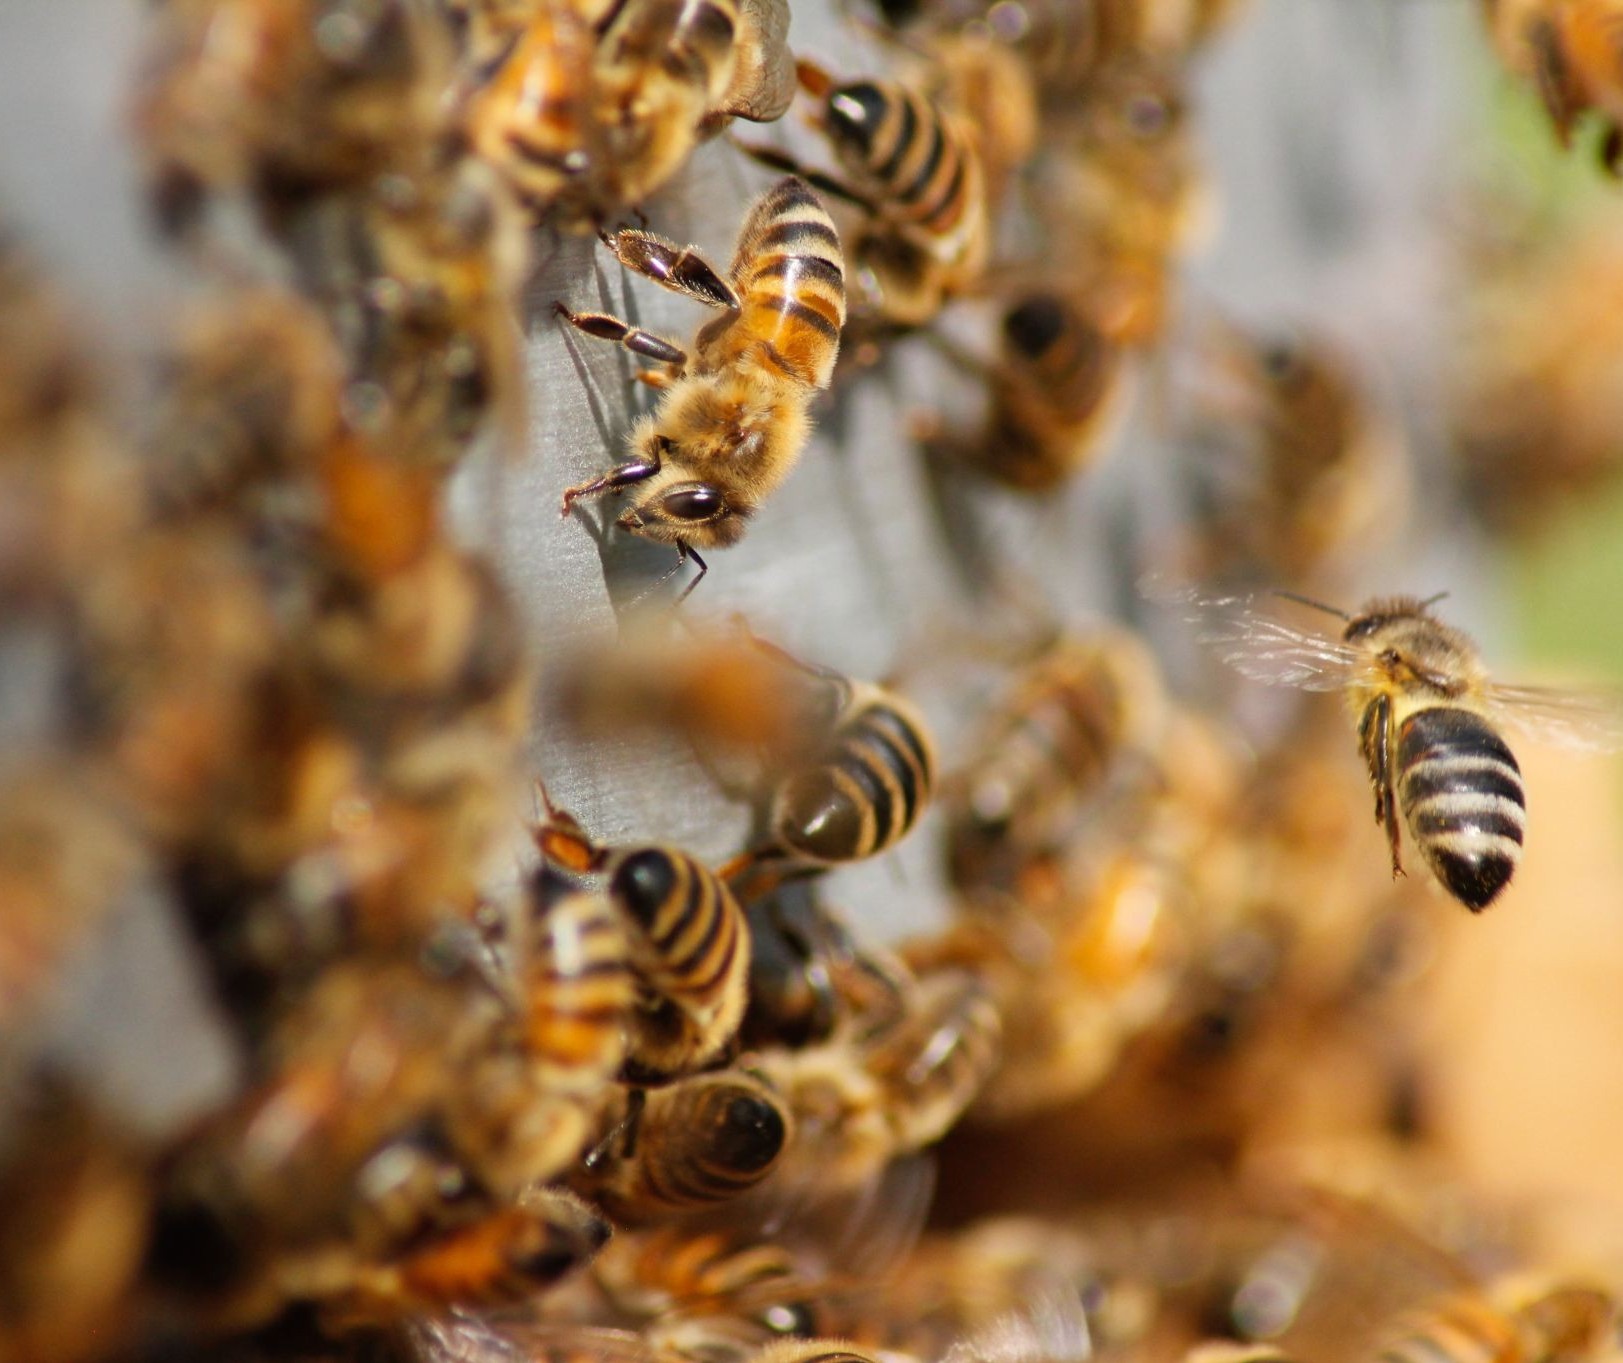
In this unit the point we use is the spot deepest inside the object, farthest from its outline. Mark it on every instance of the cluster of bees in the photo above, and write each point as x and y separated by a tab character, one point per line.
632	1104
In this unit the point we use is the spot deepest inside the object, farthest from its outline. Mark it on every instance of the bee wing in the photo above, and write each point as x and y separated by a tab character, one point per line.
765	85
1590	720
1052	1329
1261	647
475	1339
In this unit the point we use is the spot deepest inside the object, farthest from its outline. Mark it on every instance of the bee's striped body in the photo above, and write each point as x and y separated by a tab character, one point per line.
866	789
578	991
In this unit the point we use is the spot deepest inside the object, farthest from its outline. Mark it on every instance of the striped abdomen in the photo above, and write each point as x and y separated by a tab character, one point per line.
691	953
578	992
1464	1330
1461	794
866	789
697	1142
790	275
923	173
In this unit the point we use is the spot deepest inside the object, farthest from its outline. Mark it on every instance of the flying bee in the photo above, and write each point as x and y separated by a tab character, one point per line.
1427	725
732	419
1570	50
594	107
689	948
914	170
699	1141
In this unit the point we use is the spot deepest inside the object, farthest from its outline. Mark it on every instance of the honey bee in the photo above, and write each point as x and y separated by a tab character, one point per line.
1057	391
862	789
696	1142
1512	1321
1570	49
419	277
689	948
884	1088
1427	715
593	107
1072	721
269	98
915	170
728	430
1304	469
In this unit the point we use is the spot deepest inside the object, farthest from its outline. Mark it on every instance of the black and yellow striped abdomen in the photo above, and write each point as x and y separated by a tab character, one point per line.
698	1142
690	951
578	992
1461	793
900	147
865	791
790	275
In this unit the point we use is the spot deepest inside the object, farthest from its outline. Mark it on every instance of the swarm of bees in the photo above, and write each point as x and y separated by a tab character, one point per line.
633	1100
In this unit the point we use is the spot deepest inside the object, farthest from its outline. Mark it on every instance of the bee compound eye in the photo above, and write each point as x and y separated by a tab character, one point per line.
1035	324
692	504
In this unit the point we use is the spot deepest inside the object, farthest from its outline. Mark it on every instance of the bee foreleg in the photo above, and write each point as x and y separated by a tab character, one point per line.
622	475
1375	738
684	552
679	268
635	339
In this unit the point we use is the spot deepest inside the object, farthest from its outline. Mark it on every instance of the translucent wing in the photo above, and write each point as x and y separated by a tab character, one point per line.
474	1339
1249	636
1052	1329
1591	720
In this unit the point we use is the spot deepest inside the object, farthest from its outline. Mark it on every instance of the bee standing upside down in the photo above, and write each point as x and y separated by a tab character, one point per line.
733	418
1427	725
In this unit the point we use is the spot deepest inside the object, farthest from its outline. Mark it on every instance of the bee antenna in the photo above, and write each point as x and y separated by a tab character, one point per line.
1318	605
1432	600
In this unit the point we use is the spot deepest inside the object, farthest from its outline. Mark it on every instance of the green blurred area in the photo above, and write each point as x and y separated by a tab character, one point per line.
1567	588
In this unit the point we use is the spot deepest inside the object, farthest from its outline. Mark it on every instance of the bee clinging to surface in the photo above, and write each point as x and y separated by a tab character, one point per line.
688	947
733	417
1427	726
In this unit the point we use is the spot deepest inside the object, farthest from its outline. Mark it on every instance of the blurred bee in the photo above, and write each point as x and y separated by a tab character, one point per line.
1301	470
728	430
594	107
471	1339
885	1087
419	277
914	168
282	99
1570	50
1081	710
699	1141
1515	1322
689	948
1057	392
1427	716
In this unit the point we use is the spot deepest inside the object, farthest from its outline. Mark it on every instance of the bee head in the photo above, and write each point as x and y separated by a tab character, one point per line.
695	512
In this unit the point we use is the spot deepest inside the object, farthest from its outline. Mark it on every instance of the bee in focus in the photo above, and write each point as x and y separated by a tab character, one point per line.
732	418
588	108
914	169
689	948
1428	718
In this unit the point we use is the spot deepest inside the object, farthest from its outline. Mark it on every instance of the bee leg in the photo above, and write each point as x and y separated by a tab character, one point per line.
684	552
680	269
1375	738
781	160
634	339
622	475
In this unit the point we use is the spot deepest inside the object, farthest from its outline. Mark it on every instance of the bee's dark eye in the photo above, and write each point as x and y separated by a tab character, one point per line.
1148	116
692	504
1280	361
